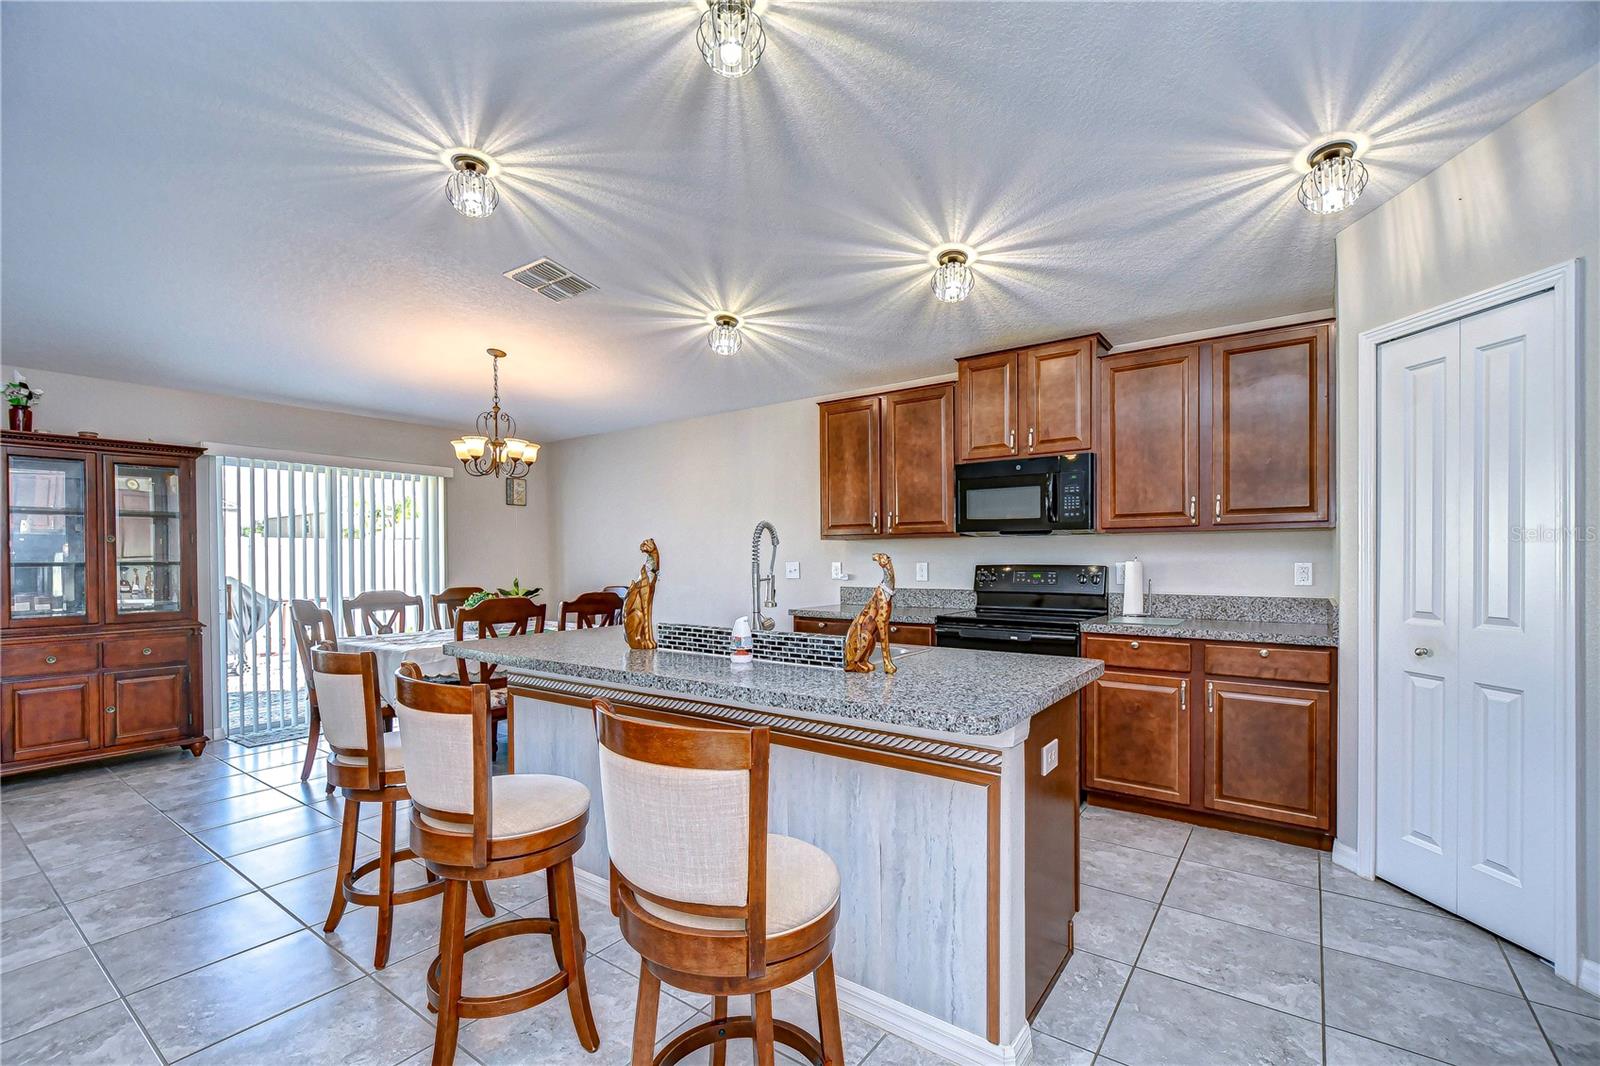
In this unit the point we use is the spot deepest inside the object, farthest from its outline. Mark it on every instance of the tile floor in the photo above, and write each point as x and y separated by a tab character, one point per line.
167	908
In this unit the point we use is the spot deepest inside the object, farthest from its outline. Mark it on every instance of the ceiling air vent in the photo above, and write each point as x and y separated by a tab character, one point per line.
550	279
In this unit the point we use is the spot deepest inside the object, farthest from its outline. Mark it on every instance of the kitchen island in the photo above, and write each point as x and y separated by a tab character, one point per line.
956	847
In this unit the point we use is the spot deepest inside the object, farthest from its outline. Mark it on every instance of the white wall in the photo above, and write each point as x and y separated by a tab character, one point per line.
488	543
1522	199
699	487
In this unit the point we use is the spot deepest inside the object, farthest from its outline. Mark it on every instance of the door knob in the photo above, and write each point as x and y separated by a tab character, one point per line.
1422	653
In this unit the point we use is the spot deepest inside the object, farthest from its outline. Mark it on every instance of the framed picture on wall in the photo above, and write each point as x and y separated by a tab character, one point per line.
516	492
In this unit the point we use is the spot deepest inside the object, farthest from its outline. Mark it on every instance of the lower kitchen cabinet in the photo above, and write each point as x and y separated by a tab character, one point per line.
50	716
146	706
899	632
1267	752
1136	736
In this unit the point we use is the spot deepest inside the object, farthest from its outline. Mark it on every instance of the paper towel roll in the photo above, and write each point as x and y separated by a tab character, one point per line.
1133	587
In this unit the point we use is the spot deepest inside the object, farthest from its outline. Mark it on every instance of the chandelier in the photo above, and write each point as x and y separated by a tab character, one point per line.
952	279
725	337
1336	180
731	37
470	190
495	447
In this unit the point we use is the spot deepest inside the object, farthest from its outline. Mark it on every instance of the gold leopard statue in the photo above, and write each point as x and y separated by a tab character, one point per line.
871	626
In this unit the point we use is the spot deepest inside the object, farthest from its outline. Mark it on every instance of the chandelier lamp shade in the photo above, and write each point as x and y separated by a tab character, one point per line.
952	278
470	190
731	37
725	336
1336	180
494	447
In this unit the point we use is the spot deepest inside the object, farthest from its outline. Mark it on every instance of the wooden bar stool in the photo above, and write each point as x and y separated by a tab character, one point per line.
469	827
711	902
368	765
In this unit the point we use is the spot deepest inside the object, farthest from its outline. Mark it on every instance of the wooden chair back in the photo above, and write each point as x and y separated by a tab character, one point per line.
655	856
617	590
592	609
381	611
351	712
445	605
504	616
448	725
312	625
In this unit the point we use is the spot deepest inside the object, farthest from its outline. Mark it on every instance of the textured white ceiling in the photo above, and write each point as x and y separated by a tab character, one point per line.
248	198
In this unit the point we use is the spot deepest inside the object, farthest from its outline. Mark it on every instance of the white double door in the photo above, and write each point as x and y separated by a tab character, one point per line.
1468	571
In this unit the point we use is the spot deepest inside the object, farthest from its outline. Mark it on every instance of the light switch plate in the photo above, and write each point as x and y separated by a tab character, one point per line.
791	571
1050	758
1302	574
838	572
922	571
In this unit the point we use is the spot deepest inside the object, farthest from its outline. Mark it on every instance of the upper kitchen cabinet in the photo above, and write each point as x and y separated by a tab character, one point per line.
888	463
1227	433
1030	401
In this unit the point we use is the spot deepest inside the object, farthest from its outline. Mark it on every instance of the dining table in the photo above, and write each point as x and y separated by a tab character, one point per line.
423	647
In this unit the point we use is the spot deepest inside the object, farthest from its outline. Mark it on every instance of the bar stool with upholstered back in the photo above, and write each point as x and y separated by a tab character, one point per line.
503	616
592	609
369	766
711	902
469	827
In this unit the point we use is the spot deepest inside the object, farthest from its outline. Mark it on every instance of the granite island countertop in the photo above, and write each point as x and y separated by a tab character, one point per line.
844	612
946	690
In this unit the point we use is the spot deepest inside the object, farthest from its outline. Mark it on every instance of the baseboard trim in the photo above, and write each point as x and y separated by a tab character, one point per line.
1344	856
908	1023
1589	976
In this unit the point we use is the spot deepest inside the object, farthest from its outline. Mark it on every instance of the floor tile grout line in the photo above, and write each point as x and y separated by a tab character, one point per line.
1322	966
1424	973
355	980
1236	925
1539	1024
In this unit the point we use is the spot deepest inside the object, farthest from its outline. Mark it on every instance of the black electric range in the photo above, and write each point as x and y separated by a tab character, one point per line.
1022	608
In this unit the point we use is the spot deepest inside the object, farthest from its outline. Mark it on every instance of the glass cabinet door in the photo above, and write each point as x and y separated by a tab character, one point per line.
146	512
48	547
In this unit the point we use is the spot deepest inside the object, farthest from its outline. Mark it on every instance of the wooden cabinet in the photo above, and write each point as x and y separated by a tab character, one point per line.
899	632
98	599
1224	733
1030	401
1228	433
888	464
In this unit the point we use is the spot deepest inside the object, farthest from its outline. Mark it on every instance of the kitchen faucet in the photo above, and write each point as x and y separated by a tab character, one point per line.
760	620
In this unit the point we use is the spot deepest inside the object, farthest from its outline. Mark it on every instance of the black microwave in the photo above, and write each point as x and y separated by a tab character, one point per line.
1023	497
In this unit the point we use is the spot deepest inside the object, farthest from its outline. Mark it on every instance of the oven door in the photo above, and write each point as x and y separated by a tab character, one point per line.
1014	503
998	638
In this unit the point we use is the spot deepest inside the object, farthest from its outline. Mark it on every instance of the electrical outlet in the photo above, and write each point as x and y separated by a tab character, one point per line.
922	571
1050	758
791	571
838	572
1302	574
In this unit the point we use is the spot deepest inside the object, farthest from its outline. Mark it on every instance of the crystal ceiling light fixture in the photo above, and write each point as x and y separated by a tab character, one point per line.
952	278
495	448
725	335
1336	180
731	37
471	190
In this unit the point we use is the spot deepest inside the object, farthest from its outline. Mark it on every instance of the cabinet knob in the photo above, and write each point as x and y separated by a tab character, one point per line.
1422	653
1263	653
1011	439
1217	513
49	658
111	538
147	652
111	710
1192	518
1133	644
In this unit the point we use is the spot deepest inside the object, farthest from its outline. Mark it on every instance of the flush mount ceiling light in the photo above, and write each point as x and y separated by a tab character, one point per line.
952	278
495	448
1336	178
471	190
725	336
731	37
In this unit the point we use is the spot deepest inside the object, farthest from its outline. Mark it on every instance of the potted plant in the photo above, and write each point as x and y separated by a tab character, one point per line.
515	590
20	397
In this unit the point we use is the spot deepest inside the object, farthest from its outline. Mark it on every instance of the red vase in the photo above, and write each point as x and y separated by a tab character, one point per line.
22	418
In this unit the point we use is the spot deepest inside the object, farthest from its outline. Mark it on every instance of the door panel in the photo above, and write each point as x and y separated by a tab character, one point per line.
919	452
51	575
1150	439
1136	736
151	705
1266	752
51	716
850	467
1055	408
986	412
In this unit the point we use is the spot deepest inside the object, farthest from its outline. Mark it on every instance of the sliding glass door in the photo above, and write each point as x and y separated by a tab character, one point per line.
303	531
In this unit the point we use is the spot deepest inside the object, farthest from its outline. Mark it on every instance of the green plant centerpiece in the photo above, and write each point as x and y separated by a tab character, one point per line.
513	592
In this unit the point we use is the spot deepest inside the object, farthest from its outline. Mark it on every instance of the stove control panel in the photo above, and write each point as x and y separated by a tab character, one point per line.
1066	580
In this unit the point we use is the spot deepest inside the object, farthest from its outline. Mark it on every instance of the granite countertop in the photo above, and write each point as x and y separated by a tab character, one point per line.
844	612
947	690
1252	632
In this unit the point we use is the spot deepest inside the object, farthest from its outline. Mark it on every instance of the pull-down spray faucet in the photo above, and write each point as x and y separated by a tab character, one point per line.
760	620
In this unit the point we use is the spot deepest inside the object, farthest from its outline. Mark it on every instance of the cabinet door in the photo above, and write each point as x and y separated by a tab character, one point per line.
1267	752
51	574
986	407
1150	439
146	706
149	558
1057	387
1136	736
851	490
919	457
1269	428
50	716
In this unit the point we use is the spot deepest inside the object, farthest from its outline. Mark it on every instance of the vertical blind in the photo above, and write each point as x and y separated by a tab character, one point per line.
293	530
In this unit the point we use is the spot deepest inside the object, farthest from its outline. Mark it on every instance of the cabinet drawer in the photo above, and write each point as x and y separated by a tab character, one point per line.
54	657
1313	666
909	633
1140	653
833	627
154	650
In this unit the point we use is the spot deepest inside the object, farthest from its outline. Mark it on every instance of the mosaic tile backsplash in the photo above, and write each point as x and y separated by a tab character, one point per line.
800	649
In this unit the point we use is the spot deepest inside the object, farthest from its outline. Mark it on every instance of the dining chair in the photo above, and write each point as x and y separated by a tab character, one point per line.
380	611
592	609
445	605
617	590
469	827
502	616
312	625
712	902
